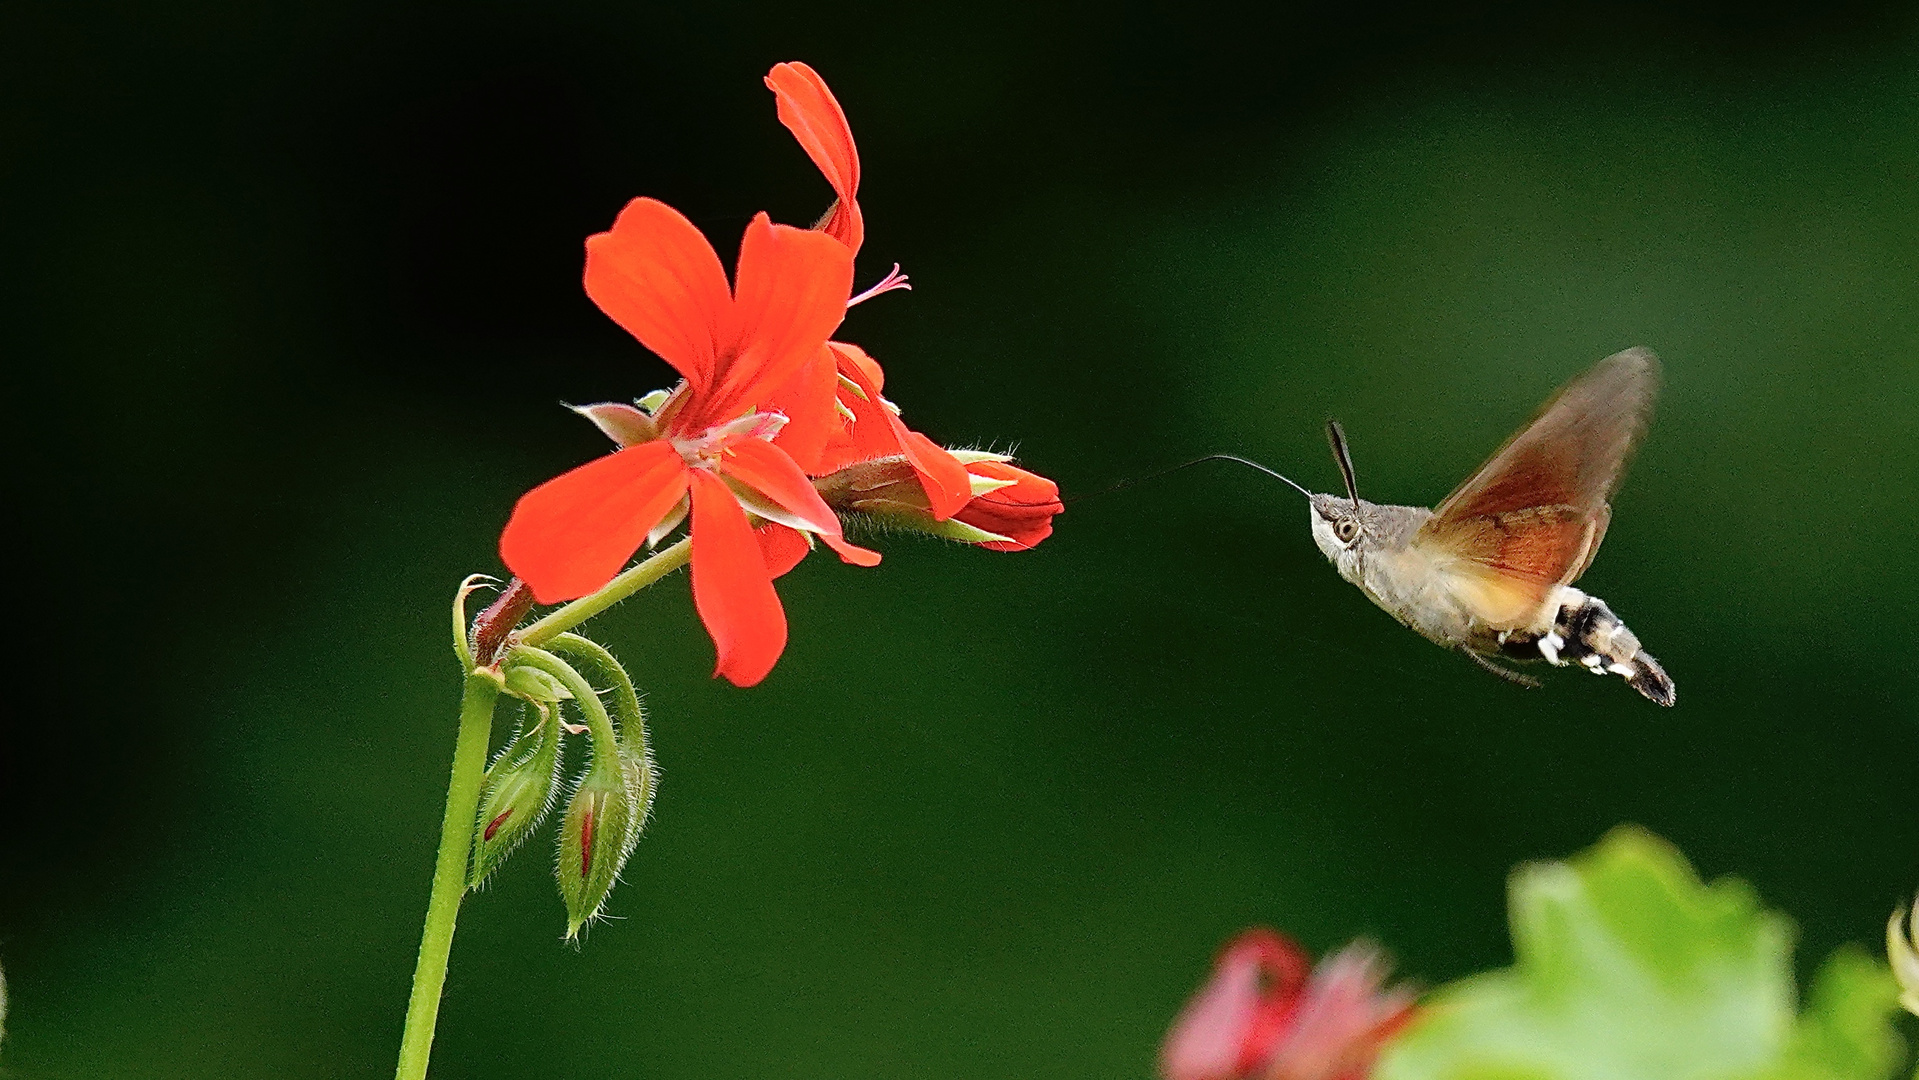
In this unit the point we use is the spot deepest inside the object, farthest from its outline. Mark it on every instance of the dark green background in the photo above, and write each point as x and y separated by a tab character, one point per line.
291	295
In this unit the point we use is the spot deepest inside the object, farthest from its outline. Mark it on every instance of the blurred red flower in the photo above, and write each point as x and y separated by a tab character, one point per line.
1263	1017
708	446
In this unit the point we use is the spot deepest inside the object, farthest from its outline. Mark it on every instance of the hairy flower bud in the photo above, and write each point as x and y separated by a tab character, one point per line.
1010	509
518	791
601	825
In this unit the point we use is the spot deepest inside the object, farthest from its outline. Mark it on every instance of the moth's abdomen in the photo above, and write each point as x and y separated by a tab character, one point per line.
1587	633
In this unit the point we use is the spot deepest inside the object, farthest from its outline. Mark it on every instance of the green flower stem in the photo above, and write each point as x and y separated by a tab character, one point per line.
449	873
626	701
635	578
583	694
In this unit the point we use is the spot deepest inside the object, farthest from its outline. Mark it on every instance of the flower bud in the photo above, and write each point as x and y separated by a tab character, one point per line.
517	792
532	684
1009	502
601	825
1010	509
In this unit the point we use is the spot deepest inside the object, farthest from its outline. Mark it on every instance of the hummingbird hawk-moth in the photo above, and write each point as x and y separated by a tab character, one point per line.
1490	571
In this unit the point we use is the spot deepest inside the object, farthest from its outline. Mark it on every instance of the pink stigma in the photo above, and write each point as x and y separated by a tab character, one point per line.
893	280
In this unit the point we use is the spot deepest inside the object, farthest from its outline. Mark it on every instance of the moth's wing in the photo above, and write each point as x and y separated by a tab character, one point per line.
1534	514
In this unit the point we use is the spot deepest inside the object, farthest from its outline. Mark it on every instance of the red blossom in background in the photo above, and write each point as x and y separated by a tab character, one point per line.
1263	1017
708	444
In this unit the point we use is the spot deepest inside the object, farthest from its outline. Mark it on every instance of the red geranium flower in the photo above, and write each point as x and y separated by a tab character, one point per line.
709	443
1262	1017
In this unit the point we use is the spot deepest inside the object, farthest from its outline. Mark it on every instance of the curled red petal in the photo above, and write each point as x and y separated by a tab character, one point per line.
766	469
790	293
809	110
732	588
783	548
570	535
655	275
1344	1015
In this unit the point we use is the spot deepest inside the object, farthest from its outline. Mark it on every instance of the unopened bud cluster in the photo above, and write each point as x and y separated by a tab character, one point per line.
607	801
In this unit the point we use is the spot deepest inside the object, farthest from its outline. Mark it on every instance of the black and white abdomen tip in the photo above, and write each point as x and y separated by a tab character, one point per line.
1651	680
1588	634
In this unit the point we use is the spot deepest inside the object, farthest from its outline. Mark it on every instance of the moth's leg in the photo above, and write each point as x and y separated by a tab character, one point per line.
1503	672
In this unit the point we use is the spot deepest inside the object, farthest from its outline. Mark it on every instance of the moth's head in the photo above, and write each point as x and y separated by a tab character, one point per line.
1340	528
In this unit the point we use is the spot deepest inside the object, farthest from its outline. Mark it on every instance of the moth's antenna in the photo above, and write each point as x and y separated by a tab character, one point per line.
1337	436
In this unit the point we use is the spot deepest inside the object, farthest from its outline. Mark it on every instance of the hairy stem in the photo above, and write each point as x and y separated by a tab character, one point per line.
635	578
449	873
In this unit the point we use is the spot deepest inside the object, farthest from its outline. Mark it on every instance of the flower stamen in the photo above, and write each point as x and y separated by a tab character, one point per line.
893	280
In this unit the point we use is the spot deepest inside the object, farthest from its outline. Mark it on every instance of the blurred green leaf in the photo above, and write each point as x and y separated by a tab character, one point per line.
1628	966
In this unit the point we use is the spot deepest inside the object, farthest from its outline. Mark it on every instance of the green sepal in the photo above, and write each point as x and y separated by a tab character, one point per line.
517	792
1627	965
899	515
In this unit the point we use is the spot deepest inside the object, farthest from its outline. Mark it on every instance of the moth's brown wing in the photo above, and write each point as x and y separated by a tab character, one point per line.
1533	515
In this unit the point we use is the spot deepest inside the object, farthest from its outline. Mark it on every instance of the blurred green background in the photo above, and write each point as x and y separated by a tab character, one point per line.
292	293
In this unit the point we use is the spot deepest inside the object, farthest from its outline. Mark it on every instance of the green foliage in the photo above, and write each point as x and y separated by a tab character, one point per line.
1628	966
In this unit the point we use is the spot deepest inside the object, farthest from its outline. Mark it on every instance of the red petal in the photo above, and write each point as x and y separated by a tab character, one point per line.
766	469
812	418
790	294
657	277
783	548
570	535
809	111
731	586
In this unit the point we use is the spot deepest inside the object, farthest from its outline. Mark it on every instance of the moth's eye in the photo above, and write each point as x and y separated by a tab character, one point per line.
1346	530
